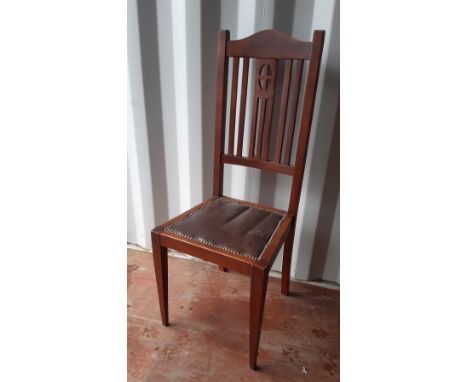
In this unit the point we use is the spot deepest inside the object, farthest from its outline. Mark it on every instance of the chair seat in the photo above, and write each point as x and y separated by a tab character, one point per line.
232	225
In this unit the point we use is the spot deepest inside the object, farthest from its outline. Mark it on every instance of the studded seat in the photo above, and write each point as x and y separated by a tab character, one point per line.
232	225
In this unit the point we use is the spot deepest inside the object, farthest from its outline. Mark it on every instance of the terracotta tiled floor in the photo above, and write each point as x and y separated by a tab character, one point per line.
208	336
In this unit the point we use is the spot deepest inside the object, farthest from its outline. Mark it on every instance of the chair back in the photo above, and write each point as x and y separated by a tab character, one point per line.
266	69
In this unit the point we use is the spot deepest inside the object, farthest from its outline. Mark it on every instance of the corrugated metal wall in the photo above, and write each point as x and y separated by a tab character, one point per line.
171	68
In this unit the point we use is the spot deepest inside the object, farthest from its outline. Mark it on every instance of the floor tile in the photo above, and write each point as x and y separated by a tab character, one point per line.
207	339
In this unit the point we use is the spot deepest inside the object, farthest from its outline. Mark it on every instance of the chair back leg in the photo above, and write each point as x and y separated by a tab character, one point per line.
286	268
160	268
258	288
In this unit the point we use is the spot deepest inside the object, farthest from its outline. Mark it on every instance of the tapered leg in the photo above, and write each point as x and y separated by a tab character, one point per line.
286	269
258	287
160	268
222	269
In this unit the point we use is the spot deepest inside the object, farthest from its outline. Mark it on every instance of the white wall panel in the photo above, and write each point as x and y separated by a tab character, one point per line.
179	44
167	72
320	140
181	36
141	217
194	96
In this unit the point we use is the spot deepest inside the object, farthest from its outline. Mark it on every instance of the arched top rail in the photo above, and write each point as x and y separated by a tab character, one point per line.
269	44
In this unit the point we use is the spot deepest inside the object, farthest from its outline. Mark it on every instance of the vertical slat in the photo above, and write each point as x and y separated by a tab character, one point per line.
266	135
269	111
282	112
221	79
253	126
261	124
243	100
306	120
296	85
232	110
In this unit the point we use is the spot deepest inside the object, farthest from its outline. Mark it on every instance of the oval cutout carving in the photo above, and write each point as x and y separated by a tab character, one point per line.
264	76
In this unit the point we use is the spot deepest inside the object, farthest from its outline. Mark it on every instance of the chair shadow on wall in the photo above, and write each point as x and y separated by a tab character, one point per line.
330	195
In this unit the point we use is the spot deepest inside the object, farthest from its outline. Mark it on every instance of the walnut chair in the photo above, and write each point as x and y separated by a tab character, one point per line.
235	234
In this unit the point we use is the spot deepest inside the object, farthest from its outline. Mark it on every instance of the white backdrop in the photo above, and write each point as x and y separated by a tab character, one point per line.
171	91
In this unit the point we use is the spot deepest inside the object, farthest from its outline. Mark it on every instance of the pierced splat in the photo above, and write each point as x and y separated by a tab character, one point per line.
262	108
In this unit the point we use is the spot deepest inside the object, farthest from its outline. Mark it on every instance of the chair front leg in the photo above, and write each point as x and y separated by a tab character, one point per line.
160	269
258	288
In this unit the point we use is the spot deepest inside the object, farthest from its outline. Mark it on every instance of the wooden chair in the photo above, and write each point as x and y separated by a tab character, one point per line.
238	235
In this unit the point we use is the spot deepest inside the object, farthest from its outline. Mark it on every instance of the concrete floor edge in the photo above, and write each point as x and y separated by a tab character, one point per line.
273	273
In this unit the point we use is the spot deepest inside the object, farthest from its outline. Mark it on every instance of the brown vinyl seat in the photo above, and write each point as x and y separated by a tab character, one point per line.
231	225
